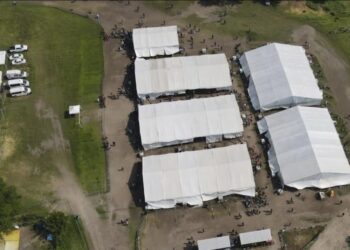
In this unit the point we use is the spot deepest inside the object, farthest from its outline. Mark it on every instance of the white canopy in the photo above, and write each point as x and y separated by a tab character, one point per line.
2	57
280	76
175	75
222	242
74	110
305	148
171	123
149	42
255	237
196	176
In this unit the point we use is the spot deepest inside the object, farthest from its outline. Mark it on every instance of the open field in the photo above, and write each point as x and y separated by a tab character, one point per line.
65	65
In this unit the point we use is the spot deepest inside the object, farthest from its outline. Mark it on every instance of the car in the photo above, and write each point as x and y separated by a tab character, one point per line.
16	56
18	61
20	91
18	48
17	82
15	74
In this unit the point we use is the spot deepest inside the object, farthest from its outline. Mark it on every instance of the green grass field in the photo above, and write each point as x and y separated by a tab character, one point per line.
73	236
65	64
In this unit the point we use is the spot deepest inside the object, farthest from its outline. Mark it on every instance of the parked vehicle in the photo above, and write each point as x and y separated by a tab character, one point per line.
18	61
15	74
16	56
17	83
18	48
20	91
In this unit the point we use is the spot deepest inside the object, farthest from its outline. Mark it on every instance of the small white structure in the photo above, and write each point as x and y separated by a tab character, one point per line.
154	41
255	237
305	148
74	110
171	123
280	76
2	57
175	75
193	177
217	243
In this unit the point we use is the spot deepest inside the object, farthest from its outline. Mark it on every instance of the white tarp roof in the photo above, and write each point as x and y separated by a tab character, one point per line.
255	237
2	57
280	76
74	110
305	148
195	176
222	242
173	75
171	123
153	41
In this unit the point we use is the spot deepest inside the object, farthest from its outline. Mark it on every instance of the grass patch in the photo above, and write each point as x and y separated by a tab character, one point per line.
135	223
73	236
301	238
169	7
65	65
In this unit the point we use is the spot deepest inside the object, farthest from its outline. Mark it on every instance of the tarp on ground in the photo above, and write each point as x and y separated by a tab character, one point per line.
171	123
195	176
222	242
280	76
255	237
175	75
154	41
2	57
305	148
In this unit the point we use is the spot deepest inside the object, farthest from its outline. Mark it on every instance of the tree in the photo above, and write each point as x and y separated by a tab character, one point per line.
9	206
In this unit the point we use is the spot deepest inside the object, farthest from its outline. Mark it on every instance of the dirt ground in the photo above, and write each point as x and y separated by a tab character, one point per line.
170	229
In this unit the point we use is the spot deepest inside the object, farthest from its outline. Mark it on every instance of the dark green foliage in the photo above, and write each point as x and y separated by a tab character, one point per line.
9	204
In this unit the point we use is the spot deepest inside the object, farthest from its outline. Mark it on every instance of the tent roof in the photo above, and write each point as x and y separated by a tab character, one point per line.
10	241
74	109
306	147
2	57
255	237
222	242
173	74
195	176
183	120
281	75
154	41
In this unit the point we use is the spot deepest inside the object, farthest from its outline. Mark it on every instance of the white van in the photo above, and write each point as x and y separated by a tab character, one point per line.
17	83
15	74
20	91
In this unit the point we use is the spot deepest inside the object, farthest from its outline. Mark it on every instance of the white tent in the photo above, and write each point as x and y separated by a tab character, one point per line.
171	123
74	110
175	75
253	237
305	148
222	242
149	42
195	176
2	57
280	76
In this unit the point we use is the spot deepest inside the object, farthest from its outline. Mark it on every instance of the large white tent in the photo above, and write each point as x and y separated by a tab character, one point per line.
171	123
305	148
2	57
175	75
280	76
195	176
222	242
153	41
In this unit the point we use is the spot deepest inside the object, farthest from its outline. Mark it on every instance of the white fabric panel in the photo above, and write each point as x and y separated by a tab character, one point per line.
255	237
196	176
282	77
305	148
171	123
175	75
222	242
153	41
2	57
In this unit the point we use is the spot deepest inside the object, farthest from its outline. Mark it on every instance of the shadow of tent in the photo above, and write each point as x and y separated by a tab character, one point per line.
129	83
136	185
133	132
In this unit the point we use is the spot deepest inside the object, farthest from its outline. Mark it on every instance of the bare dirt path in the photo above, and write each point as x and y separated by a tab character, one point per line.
336	69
